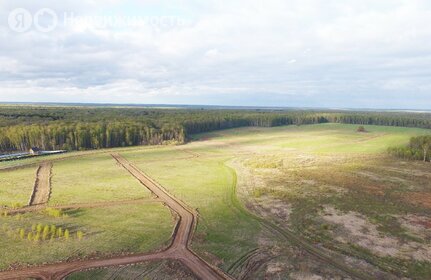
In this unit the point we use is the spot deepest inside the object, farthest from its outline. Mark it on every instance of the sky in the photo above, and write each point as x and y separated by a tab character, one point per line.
293	53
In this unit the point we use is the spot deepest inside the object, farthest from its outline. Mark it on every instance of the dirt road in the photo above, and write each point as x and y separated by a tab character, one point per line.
42	185
178	249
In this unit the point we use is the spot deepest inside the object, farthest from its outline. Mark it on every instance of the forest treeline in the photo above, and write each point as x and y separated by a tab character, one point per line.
80	128
419	148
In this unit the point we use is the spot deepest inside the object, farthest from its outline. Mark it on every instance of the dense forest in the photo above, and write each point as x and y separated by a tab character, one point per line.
419	148
80	128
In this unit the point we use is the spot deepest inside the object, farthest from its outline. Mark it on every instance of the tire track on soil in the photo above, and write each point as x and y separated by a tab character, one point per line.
295	239
42	185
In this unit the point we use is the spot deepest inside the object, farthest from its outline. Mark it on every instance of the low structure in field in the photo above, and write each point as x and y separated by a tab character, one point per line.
35	151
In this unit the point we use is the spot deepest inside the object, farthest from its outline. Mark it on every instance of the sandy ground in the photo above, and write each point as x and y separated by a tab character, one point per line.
356	229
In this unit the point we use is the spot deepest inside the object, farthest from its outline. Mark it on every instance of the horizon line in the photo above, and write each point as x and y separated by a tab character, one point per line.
108	104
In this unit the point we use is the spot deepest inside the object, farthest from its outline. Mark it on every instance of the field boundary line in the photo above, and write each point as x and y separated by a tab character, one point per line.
90	205
33	193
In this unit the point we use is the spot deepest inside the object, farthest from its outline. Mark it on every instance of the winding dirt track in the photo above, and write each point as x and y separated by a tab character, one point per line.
42	185
178	249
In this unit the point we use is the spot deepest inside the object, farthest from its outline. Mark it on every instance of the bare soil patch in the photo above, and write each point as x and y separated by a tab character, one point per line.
355	228
418	225
422	198
42	185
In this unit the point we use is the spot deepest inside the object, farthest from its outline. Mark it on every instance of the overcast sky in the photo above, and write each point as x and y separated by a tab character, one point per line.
312	53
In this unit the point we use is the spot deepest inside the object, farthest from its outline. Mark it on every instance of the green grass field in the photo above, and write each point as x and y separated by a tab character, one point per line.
16	187
298	170
205	184
93	179
107	230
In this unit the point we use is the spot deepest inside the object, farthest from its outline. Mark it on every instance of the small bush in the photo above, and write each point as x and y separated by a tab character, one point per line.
22	233
258	193
325	227
53	229
17	205
39	228
36	237
46	231
59	232
56	213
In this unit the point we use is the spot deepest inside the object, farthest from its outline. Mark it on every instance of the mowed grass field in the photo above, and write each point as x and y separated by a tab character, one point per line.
95	178
306	172
16	187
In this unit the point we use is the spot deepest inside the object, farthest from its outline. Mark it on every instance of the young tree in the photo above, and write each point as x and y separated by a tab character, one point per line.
37	237
45	232
79	235
66	234
59	232
39	228
426	146
53	229
22	233
422	143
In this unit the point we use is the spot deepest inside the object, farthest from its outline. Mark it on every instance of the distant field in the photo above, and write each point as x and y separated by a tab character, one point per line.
320	138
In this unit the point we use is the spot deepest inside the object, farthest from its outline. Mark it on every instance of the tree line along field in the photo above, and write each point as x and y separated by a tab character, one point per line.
311	180
83	128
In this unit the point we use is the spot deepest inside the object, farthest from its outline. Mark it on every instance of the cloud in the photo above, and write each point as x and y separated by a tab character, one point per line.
292	53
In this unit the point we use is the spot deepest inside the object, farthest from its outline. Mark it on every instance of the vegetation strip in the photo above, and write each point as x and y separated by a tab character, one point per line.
37	208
